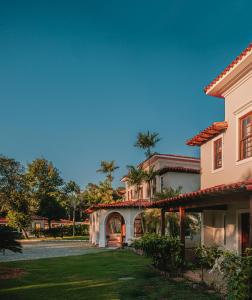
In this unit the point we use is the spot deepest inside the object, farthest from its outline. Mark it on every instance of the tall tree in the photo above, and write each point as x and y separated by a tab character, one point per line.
108	168
46	183
72	191
98	193
136	177
149	176
15	197
147	141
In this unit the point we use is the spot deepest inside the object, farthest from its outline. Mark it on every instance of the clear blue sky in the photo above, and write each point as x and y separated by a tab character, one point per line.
79	79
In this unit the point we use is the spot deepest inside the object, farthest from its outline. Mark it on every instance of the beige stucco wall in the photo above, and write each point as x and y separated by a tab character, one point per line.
213	230
238	102
189	182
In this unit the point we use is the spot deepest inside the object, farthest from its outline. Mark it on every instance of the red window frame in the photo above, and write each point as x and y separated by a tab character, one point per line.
245	136
218	153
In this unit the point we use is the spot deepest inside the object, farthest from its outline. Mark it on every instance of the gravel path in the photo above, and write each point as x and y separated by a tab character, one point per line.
45	249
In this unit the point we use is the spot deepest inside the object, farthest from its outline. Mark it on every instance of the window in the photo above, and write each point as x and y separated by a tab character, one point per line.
218	154
162	183
245	146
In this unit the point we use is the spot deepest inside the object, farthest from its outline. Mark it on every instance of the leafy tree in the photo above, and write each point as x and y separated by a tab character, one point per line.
108	168
15	196
136	177
98	193
72	191
45	184
8	240
147	141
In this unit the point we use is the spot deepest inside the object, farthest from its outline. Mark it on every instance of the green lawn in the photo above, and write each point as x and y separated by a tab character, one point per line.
93	276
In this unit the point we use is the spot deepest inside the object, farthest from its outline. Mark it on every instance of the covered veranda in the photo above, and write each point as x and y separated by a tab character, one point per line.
226	211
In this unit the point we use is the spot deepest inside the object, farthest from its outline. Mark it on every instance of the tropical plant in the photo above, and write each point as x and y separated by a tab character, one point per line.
237	272
149	176
147	141
168	193
136	177
97	193
166	252
108	168
8	240
206	257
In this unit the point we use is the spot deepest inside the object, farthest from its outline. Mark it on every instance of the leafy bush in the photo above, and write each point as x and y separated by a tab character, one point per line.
207	256
237	271
166	252
8	240
80	230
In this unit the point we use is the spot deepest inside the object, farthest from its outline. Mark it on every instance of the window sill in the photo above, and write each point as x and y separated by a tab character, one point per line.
217	170
243	161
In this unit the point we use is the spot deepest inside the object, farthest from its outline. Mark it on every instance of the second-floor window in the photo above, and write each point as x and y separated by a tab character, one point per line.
218	154
246	136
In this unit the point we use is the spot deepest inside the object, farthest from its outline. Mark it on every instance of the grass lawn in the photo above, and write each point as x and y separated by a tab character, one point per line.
93	276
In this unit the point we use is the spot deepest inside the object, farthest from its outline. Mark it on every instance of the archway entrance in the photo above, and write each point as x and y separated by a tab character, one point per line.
115	230
138	225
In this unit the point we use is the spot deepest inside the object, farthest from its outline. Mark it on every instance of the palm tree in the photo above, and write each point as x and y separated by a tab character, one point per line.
136	177
108	168
147	141
148	178
72	190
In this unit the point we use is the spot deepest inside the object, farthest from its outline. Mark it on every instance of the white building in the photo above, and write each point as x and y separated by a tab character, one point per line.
116	223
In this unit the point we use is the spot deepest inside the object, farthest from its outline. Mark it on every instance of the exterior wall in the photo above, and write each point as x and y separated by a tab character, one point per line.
226	233
238	102
188	182
98	221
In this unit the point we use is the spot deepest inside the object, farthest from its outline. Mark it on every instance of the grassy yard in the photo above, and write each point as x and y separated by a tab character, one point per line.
93	276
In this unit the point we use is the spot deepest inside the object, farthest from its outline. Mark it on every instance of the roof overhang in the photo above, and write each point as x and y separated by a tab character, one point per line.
207	134
207	197
231	74
178	170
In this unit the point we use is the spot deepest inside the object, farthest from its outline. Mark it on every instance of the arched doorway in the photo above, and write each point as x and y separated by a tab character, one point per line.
138	225
115	230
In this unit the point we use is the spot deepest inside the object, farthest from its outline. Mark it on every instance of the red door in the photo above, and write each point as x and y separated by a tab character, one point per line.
244	231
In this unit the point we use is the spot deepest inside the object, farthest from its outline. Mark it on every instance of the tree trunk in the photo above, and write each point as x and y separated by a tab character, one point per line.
74	221
25	233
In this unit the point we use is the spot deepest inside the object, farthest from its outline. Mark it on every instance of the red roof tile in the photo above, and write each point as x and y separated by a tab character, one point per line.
233	187
239	58
207	134
120	204
178	170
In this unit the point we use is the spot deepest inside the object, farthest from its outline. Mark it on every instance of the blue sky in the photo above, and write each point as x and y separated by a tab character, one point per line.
79	79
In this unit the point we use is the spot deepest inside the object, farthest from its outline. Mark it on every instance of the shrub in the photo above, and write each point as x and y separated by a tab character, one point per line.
61	231
207	256
53	232
8	240
237	270
166	252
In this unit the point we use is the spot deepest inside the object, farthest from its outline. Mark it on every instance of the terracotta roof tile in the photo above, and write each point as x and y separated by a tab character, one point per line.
239	58
207	134
215	190
178	170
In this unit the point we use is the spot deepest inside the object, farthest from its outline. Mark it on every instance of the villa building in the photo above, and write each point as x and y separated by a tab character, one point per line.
172	171
225	194
225	198
119	222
